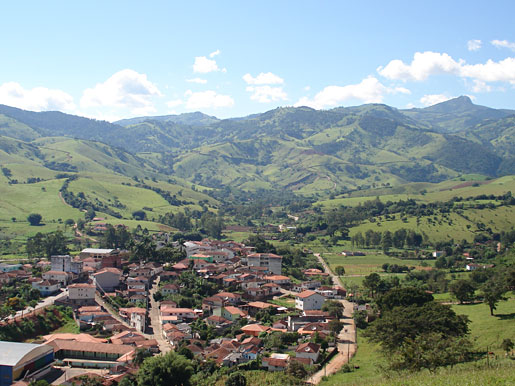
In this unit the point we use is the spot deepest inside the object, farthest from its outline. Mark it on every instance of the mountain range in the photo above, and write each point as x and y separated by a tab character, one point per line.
301	149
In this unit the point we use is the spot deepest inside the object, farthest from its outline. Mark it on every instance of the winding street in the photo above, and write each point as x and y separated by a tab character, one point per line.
346	338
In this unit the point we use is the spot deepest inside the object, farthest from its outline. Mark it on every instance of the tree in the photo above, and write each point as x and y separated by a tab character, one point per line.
34	219
507	345
372	282
493	292
403	297
334	307
335	326
169	369
236	379
430	351
395	326
296	369
463	290
139	215
140	356
386	241
340	270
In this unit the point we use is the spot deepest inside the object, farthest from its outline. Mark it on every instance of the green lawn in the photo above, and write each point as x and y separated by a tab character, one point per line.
365	265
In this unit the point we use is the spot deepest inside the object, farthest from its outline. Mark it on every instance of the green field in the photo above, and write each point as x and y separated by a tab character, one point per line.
487	332
365	265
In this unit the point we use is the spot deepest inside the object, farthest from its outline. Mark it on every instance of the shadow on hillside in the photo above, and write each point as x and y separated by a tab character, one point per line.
506	316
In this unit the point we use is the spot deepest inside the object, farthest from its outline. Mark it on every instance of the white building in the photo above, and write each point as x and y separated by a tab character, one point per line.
81	293
309	300
60	276
46	287
308	350
65	263
270	261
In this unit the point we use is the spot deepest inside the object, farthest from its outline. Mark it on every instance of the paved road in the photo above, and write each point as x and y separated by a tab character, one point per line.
48	301
346	339
155	320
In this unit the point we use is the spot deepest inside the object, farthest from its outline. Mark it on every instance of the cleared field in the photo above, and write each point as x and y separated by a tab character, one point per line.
365	265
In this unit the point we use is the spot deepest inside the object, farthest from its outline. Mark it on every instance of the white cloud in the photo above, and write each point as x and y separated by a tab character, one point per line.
174	103
36	99
480	86
213	54
207	99
307	88
263	78
504	44
474	45
204	65
422	66
425	64
124	89
410	106
267	94
433	99
197	80
369	90
502	71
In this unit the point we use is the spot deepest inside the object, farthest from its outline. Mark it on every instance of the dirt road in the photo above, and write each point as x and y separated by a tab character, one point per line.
346	339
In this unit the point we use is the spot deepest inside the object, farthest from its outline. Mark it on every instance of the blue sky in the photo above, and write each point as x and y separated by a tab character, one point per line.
119	59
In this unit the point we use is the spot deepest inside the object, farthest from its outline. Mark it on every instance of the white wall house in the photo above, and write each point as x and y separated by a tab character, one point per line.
81	293
309	300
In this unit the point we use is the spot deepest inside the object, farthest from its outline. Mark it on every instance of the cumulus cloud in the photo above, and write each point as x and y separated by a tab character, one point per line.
425	64
197	80
433	99
502	71
125	89
207	99
36	99
422	66
203	65
263	78
369	90
474	45
480	86
504	44
267	94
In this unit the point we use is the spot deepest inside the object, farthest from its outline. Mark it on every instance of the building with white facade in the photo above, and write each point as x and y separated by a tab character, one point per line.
270	261
309	300
82	293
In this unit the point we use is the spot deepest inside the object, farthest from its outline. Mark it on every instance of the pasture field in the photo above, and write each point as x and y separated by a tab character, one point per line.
485	331
365	265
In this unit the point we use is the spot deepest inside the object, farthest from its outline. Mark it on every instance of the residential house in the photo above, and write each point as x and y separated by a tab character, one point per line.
46	287
60	276
271	262
107	279
82	293
66	263
309	300
169	289
230	313
308	350
276	362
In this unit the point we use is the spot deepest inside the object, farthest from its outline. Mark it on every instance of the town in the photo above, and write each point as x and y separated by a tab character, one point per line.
223	302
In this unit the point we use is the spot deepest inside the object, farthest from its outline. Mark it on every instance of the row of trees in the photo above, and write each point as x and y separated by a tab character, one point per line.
386	240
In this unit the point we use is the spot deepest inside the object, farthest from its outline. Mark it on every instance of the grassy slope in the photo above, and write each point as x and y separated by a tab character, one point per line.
486	331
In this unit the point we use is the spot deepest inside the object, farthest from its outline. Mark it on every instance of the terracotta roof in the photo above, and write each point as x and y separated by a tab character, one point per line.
227	295
81	285
255	327
107	348
277	277
235	311
262	305
308	347
275	362
84	338
108	269
306	294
